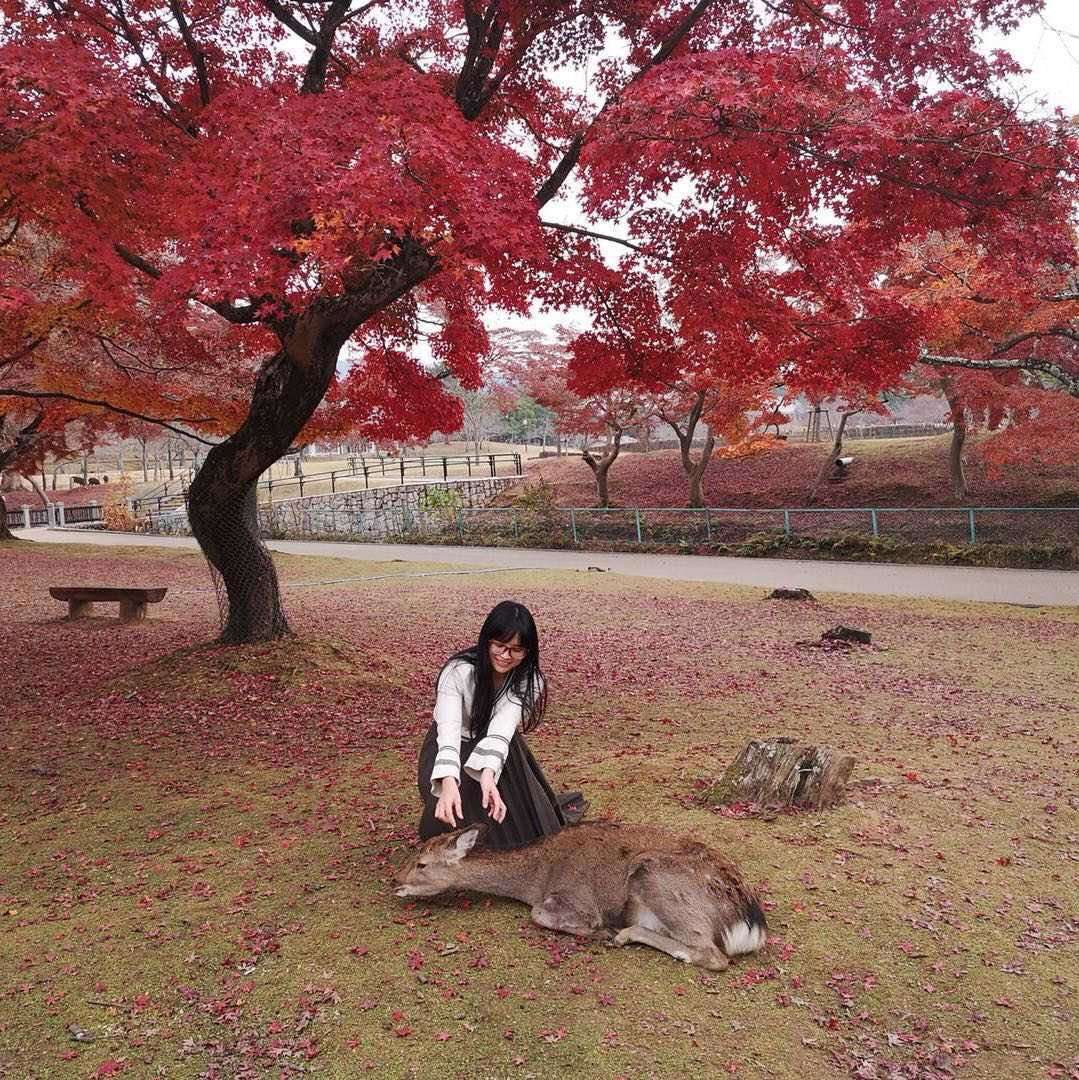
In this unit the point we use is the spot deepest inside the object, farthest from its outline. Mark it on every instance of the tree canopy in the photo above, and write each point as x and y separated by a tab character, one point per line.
233	192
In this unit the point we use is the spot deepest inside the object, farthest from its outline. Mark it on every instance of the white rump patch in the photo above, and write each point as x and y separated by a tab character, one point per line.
742	938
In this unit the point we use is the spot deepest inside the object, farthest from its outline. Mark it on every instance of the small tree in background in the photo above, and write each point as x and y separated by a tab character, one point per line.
1003	352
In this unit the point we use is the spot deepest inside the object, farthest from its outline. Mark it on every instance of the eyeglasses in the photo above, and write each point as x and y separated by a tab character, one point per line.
514	652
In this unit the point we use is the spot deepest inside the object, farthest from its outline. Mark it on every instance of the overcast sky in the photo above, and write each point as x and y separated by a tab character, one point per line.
1049	46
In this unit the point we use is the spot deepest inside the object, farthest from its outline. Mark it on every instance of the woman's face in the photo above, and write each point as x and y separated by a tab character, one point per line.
506	655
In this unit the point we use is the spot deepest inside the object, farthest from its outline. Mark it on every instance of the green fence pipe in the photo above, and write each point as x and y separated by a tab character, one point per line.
787	523
873	518
637	516
973	533
573	524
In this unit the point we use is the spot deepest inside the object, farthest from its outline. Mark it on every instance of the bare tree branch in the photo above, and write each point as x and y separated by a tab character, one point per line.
284	16
1032	364
38	395
137	261
572	155
198	57
239	315
579	231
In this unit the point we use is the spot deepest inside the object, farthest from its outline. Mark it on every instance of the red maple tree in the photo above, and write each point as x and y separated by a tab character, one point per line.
1002	349
179	163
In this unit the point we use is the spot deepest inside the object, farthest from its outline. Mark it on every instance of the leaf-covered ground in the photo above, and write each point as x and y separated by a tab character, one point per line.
196	843
886	472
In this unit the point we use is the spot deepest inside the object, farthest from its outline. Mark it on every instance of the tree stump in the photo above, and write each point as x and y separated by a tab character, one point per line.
790	594
847	633
784	772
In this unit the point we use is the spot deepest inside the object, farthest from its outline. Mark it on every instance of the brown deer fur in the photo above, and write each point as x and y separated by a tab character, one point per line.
626	883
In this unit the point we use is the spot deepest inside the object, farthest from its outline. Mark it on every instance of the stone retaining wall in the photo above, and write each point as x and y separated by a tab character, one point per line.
369	515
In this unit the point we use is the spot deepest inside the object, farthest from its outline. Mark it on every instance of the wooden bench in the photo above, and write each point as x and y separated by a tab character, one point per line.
81	600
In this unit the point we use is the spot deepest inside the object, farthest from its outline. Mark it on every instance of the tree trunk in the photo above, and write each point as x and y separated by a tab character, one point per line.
222	501
696	475
5	532
39	491
602	493
783	772
955	457
602	466
694	470
833	456
959	437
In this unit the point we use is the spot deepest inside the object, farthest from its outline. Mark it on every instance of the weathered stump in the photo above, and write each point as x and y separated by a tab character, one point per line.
784	772
790	594
847	633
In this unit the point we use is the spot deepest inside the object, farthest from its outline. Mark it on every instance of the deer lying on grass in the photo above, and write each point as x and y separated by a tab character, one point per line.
618	882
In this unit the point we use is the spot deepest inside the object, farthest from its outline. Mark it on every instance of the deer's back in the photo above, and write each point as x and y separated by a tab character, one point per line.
607	857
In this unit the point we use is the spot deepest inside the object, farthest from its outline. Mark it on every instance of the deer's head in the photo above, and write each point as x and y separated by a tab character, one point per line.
434	867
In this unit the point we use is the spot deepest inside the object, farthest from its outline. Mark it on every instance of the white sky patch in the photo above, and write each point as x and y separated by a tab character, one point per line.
1047	45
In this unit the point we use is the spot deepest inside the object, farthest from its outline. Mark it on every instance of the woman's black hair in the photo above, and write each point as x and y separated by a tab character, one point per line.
525	680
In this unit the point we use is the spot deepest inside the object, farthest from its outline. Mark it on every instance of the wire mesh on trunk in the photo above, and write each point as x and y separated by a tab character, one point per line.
241	568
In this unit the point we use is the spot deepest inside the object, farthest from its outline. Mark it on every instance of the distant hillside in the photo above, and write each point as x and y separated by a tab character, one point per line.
885	472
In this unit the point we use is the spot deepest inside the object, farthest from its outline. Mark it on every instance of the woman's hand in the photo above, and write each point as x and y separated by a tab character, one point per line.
492	801
448	808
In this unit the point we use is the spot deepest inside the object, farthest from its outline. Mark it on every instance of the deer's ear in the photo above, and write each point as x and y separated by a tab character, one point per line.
464	843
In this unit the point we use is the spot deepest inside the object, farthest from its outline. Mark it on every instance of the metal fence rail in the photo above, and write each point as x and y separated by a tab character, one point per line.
360	468
581	526
732	525
662	526
54	515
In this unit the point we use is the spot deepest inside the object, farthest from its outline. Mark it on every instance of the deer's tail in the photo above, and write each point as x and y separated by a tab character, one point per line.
750	930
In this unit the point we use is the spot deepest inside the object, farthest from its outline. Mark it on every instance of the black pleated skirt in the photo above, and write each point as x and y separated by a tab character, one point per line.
532	808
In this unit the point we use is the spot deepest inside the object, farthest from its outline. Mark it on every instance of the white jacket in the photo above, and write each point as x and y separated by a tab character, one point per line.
453	706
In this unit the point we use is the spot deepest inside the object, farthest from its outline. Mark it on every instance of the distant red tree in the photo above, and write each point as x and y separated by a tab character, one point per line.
1003	351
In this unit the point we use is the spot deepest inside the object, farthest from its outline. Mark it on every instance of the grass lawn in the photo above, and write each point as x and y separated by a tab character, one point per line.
196	842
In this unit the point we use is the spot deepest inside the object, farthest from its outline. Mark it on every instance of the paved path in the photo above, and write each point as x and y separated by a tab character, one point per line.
1036	587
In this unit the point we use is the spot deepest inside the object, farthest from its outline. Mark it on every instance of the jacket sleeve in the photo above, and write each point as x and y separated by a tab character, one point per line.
449	710
490	752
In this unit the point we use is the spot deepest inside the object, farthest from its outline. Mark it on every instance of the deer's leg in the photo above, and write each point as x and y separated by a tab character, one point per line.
557	911
702	955
682	928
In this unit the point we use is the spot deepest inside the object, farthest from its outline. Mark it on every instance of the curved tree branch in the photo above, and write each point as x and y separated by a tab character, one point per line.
572	155
40	395
579	231
1033	364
